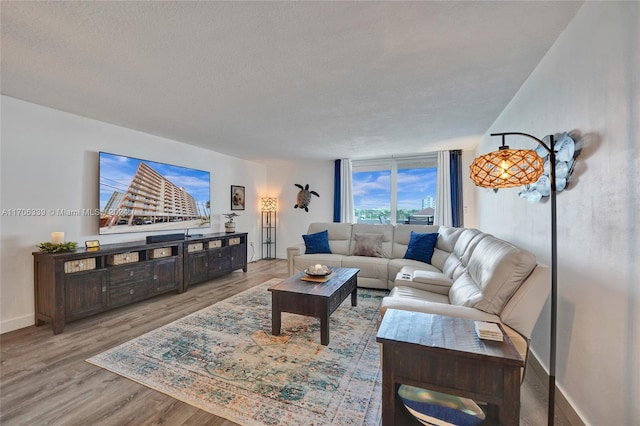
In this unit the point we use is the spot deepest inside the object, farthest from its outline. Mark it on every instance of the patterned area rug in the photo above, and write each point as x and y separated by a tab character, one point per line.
224	360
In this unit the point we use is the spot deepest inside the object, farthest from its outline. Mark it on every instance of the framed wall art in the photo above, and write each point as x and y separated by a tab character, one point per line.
237	197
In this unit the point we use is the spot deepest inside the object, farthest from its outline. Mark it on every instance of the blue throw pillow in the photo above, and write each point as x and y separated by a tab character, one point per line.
317	243
421	246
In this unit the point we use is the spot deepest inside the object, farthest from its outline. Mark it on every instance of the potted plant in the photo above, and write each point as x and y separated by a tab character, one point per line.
47	247
230	225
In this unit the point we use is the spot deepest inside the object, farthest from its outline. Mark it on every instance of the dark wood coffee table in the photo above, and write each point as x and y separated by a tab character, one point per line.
317	300
444	354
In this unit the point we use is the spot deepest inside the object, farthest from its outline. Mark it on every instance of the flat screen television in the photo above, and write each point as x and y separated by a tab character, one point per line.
143	196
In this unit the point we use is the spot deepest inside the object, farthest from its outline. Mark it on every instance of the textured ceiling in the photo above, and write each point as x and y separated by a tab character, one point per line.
259	80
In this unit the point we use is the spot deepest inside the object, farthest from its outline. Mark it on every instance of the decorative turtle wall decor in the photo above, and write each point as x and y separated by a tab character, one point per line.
304	197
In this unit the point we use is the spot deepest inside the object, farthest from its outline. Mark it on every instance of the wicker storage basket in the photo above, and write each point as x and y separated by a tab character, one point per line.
159	253
234	241
80	265
214	244
194	247
123	258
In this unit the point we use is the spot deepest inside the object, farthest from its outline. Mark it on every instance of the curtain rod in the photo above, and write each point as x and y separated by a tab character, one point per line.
399	157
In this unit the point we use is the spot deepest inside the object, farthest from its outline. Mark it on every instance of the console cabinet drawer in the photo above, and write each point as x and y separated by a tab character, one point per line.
130	273
122	258
129	293
214	244
79	265
160	253
194	247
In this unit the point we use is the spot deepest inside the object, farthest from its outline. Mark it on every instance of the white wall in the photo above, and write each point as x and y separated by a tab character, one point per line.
293	223
49	159
587	83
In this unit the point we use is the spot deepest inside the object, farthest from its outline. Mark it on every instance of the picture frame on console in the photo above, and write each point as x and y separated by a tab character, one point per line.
237	197
92	245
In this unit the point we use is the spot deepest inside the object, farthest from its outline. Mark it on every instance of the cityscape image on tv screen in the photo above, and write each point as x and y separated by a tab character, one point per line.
140	196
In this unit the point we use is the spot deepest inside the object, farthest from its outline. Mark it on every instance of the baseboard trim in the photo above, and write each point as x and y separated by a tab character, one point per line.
562	404
16	323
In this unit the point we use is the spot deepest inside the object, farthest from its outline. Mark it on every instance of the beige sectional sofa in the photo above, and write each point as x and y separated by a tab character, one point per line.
472	274
375	272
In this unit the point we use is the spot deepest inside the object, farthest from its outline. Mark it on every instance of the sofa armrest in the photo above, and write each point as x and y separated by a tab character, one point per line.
426	306
435	282
292	252
524	308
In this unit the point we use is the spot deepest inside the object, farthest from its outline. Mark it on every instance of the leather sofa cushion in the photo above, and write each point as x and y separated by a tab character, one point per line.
331	260
412	293
495	270
448	238
432	281
374	268
339	235
396	265
416	300
456	264
466	244
430	277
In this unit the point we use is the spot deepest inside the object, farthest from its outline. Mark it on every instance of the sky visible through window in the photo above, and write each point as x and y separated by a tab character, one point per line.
372	189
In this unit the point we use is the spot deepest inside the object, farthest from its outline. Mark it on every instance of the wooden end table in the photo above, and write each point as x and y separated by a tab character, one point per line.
318	300
444	354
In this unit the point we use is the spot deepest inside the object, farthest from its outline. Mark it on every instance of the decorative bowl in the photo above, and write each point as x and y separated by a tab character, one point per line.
321	273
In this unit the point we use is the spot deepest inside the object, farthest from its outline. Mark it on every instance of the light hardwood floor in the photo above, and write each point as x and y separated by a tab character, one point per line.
44	379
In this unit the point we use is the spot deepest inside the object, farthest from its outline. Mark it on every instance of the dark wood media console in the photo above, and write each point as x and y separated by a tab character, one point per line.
73	285
213	255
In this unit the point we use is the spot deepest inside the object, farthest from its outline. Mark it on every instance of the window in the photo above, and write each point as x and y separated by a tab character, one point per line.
395	190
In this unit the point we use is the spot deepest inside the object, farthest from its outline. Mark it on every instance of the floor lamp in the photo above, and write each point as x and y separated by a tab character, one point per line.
508	168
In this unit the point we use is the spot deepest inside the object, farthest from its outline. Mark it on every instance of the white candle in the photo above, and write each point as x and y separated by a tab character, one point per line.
57	237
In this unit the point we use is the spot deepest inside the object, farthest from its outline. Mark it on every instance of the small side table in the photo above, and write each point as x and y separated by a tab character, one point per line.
444	354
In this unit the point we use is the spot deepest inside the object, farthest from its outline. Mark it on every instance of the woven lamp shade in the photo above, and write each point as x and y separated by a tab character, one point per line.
506	168
268	204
